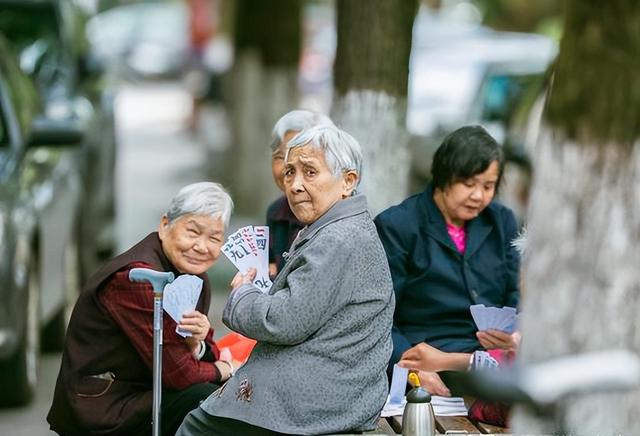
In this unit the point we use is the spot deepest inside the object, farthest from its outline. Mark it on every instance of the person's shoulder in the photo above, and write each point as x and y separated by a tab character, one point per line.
274	206
502	216
122	275
402	213
279	210
499	210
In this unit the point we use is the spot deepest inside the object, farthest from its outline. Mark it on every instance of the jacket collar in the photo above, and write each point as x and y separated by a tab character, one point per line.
477	229
350	206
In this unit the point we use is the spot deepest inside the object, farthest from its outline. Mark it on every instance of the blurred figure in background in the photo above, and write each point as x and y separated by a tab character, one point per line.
283	224
105	381
202	27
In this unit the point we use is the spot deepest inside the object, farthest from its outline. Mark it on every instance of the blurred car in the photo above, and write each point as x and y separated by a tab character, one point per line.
463	73
40	203
49	38
148	39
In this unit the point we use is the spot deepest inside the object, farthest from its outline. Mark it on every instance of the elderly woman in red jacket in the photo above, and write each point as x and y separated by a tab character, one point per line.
105	381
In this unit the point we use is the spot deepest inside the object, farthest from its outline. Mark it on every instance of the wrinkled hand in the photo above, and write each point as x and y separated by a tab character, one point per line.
423	357
493	339
198	325
242	279
432	382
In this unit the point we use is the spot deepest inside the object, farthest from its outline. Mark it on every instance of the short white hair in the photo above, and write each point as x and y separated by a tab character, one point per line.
296	120
341	150
202	198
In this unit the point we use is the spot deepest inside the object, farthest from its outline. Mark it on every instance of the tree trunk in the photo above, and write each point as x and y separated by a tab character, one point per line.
581	271
267	41
371	74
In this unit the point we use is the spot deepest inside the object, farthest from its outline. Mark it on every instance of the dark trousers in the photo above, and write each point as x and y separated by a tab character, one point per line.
199	422
177	404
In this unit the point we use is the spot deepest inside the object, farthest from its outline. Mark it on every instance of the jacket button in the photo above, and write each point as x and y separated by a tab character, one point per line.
474	294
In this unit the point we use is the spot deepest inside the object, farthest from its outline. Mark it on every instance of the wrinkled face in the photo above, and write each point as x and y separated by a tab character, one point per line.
462	201
192	242
277	159
310	186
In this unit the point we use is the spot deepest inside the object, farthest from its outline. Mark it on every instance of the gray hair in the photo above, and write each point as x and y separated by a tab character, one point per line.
296	120
341	150
202	198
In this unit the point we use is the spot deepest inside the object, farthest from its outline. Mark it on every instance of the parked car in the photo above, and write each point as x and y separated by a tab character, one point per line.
49	38
465	73
144	39
40	204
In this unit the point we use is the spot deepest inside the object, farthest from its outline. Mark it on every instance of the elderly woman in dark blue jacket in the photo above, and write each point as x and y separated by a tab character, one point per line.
449	248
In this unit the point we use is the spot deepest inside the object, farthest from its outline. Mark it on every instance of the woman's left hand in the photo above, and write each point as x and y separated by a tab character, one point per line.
492	339
195	323
242	279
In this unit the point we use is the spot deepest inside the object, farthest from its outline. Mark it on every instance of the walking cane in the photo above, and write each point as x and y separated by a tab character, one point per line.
158	281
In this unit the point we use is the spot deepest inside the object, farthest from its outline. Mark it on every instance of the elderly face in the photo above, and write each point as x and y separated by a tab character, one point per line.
192	242
462	201
277	159
310	186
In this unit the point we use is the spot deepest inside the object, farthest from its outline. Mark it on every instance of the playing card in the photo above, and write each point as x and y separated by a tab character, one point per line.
241	249
180	297
249	248
262	280
497	318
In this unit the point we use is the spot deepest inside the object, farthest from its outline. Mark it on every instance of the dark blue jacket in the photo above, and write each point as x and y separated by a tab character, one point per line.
435	284
283	229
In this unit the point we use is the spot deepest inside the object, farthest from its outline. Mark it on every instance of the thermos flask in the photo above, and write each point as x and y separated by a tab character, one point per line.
417	419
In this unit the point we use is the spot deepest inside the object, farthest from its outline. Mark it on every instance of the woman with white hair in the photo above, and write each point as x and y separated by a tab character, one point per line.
324	328
283	224
105	381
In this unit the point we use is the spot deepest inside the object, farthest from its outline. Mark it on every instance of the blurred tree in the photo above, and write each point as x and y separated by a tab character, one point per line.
370	79
581	271
267	47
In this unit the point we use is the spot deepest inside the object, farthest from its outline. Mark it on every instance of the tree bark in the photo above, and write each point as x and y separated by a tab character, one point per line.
581	268
267	45
371	73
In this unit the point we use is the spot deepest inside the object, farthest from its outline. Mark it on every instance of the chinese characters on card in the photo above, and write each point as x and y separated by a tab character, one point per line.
249	248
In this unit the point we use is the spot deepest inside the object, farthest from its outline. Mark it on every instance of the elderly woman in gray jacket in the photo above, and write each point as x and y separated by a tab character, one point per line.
323	330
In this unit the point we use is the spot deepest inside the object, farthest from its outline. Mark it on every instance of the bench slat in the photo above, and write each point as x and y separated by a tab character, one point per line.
396	423
491	429
384	427
453	423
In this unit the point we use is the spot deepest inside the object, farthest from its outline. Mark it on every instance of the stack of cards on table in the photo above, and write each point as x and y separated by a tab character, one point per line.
249	248
180	297
504	319
442	406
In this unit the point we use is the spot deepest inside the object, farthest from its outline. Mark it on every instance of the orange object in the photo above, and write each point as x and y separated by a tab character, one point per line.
239	346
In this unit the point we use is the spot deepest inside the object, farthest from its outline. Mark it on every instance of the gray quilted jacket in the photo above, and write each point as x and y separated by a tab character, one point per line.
323	332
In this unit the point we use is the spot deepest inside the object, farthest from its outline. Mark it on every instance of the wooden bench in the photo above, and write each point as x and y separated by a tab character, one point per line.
453	425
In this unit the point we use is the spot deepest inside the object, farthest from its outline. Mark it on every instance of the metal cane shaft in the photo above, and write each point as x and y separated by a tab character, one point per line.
157	361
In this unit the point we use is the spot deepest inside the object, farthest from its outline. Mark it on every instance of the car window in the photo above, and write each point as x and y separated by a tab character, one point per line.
502	93
20	89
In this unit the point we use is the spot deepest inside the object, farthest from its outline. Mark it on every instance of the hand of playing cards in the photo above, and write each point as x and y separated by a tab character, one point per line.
249	248
496	318
180	297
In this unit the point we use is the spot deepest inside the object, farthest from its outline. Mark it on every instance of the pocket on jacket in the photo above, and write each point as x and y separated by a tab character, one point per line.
94	386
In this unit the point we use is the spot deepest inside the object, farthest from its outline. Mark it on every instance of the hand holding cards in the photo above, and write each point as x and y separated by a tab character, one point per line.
496	318
249	248
180	297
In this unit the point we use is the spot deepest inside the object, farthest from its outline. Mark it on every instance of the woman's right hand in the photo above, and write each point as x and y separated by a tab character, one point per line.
432	382
242	279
